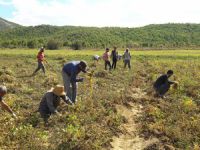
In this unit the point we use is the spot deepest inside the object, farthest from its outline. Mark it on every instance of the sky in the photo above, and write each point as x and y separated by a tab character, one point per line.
100	13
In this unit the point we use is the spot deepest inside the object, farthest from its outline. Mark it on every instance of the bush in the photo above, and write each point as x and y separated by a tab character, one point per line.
32	44
52	45
78	45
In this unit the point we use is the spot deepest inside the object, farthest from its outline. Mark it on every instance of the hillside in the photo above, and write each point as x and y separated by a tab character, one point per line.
4	24
151	36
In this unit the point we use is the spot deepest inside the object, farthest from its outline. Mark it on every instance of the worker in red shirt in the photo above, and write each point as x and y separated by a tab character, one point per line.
40	58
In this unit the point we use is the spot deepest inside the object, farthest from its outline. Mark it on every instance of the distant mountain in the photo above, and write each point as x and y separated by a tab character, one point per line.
4	24
162	36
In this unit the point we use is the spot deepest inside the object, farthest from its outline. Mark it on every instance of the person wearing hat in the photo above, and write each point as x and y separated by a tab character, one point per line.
69	73
3	91
51	101
106	58
41	59
162	84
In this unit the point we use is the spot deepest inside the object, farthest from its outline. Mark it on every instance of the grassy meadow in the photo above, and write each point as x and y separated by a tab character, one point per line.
93	121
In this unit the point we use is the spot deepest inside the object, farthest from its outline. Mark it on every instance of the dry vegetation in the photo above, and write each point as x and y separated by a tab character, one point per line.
93	121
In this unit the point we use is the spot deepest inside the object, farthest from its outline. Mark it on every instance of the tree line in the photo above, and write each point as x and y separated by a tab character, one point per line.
54	37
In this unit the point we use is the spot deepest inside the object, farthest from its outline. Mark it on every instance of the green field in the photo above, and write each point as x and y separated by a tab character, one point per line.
93	121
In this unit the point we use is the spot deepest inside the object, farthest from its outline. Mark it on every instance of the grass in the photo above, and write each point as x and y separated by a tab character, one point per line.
92	122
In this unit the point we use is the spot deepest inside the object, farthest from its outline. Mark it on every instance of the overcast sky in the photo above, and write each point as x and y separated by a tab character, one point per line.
100	13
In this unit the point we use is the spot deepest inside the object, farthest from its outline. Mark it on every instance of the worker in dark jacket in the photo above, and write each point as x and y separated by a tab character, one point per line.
69	74
162	84
114	56
50	102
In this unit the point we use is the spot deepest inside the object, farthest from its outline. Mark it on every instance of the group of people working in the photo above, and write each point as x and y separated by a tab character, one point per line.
115	57
68	92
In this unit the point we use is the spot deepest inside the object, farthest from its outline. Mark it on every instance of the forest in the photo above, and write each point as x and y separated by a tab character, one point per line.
163	36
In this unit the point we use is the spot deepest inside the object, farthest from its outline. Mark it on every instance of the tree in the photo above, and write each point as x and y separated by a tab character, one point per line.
32	44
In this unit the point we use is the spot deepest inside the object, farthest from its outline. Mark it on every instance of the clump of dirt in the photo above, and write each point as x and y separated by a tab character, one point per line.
101	74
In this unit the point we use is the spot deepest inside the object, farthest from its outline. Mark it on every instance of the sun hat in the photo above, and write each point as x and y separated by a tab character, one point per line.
58	90
3	89
42	48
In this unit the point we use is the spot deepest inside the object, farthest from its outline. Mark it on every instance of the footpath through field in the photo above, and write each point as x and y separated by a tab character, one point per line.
132	140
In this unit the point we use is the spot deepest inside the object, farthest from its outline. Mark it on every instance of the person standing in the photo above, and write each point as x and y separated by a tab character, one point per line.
127	58
106	58
40	58
3	91
69	73
114	56
51	101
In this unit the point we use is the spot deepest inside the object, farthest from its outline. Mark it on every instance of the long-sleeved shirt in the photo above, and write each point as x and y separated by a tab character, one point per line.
71	69
50	102
162	80
1	98
114	55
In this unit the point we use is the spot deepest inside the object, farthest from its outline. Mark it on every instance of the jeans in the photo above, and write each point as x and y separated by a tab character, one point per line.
161	90
70	87
45	116
127	62
114	63
40	66
107	62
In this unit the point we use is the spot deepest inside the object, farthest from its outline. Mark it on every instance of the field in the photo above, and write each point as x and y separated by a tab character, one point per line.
94	120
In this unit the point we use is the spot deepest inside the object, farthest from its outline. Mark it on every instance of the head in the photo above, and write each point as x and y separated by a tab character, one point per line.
169	73
42	49
82	66
127	49
3	91
107	49
59	90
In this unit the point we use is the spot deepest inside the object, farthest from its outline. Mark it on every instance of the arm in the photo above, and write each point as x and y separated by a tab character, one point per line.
64	98
50	105
6	107
74	79
167	80
171	82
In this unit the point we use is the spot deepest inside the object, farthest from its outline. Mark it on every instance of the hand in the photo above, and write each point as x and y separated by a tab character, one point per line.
14	115
81	79
58	114
175	85
70	101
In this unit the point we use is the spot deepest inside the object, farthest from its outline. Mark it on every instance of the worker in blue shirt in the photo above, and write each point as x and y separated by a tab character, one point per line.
69	73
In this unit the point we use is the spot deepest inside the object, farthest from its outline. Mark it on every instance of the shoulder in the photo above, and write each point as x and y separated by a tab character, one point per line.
48	94
164	76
